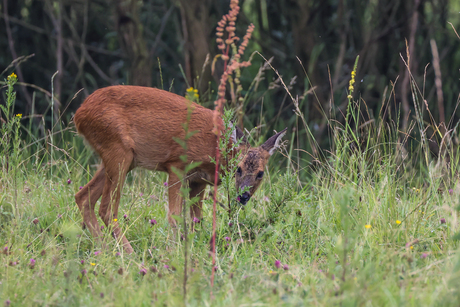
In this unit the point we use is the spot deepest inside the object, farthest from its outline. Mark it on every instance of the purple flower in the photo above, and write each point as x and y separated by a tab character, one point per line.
80	188
82	262
143	271
125	216
141	194
117	254
451	191
227	239
424	255
166	266
7	303
69	181
285	267
238	198
266	198
165	184
153	222
230	224
443	221
32	263
97	253
59	216
196	220
102	227
278	264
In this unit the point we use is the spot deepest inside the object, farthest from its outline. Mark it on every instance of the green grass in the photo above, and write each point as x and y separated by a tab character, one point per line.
315	228
318	231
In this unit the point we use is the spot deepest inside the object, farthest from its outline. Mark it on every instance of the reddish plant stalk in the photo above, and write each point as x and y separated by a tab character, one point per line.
214	210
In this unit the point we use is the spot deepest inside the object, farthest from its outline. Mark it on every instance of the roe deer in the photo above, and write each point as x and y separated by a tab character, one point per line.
133	126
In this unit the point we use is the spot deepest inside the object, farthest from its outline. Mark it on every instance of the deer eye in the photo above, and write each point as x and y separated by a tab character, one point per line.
260	175
239	171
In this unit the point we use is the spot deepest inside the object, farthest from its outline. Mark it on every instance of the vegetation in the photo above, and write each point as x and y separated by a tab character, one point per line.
359	208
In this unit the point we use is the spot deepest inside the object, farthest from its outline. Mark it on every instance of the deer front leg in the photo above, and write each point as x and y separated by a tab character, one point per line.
175	198
196	190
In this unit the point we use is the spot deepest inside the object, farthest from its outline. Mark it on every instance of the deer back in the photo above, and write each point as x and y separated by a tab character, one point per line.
146	121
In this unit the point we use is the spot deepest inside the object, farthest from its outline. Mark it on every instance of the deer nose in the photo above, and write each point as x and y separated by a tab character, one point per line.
244	198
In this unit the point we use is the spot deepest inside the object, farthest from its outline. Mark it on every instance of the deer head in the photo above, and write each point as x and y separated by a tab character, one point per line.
250	170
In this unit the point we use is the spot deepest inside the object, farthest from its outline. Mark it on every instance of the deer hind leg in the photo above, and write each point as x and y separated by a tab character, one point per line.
108	211
86	200
196	190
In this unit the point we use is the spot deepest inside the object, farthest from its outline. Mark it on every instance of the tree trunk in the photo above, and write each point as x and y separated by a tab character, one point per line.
196	27
132	42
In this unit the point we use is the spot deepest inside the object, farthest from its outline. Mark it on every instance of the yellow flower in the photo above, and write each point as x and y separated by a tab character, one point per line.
411	247
115	220
398	222
92	263
368	226
19	115
352	80
12	76
299	230
192	93
270	272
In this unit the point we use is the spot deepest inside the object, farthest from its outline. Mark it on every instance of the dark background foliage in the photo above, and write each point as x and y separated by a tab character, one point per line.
313	44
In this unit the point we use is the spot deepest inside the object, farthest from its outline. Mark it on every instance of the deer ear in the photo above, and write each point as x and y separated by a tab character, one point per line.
238	134
273	143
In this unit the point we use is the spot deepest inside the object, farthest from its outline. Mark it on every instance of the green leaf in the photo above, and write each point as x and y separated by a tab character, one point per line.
180	173
188	135
181	142
178	218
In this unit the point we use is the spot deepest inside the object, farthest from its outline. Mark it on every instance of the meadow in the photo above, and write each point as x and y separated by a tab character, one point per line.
371	222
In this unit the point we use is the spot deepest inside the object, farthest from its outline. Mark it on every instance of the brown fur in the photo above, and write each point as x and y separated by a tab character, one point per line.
131	126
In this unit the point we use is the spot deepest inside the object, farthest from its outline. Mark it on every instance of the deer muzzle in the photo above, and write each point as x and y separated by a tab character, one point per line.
244	198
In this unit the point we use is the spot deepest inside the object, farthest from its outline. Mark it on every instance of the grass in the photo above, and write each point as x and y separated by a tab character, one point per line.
371	225
318	234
